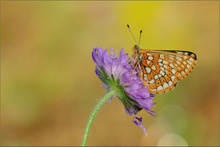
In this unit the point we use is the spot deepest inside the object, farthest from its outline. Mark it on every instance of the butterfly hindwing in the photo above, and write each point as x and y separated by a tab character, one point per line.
161	70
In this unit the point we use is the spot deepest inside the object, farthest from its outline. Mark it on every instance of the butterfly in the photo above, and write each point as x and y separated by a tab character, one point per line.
160	70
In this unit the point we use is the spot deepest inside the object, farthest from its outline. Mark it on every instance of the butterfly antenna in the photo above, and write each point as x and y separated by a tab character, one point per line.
140	38
131	33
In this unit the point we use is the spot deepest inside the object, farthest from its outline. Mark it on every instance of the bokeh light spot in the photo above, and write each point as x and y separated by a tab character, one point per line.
172	118
172	140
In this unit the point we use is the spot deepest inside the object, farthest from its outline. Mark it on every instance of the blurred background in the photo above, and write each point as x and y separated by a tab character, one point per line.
49	87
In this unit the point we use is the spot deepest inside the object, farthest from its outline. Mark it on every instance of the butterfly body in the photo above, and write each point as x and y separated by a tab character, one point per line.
160	70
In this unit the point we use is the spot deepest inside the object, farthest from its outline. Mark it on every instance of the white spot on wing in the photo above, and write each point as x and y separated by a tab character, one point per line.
150	58
188	66
162	73
162	68
165	85
178	58
162	56
171	65
180	52
148	62
191	59
170	83
159	88
165	62
173	71
145	76
161	64
156	77
182	72
173	78
152	81
153	67
160	60
171	57
185	57
148	70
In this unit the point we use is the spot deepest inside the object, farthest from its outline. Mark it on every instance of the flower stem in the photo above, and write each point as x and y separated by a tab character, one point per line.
93	114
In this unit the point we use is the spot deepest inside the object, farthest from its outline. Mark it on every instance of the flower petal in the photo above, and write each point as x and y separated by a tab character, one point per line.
138	122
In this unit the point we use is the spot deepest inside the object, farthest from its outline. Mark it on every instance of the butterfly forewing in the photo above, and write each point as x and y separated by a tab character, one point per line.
161	70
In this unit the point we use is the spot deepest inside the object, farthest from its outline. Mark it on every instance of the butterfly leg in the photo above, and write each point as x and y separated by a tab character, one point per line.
135	66
140	73
142	77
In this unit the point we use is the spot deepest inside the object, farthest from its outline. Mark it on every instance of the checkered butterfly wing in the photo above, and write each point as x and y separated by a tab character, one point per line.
161	70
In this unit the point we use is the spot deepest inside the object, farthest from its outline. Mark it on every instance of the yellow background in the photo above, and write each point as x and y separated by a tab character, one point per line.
49	87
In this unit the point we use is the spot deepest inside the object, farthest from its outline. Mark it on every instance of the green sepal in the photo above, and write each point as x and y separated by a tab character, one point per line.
124	97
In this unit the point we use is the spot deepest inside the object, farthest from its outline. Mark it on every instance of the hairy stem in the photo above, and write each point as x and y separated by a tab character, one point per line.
93	114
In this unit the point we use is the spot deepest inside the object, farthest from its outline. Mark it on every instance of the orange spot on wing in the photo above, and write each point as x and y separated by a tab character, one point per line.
152	86
158	83
162	79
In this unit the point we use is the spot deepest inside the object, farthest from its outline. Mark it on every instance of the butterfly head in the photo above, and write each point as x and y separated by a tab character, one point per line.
135	48
135	52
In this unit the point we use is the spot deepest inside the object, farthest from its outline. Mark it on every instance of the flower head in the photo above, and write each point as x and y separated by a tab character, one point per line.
117	74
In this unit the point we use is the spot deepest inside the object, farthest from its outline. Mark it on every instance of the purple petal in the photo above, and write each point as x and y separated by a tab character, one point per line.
97	73
134	121
138	123
105	86
94	55
139	119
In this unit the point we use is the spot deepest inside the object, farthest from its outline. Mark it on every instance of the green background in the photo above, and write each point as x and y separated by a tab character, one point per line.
49	87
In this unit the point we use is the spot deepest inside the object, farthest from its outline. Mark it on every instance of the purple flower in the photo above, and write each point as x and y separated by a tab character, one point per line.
117	74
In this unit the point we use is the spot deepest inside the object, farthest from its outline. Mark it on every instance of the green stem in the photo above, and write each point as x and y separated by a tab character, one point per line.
93	114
